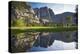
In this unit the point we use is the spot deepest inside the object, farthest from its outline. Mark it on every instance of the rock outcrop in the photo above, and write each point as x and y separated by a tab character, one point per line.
23	10
44	13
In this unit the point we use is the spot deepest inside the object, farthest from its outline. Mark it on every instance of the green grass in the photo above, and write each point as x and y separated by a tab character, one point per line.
42	29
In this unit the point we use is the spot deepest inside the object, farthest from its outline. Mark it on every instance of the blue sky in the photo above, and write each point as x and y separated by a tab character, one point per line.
57	8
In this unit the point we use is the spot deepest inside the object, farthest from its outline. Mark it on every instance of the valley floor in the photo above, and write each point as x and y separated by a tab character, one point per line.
43	29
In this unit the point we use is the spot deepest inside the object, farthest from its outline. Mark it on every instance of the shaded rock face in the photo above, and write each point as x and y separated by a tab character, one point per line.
23	10
48	14
44	13
61	18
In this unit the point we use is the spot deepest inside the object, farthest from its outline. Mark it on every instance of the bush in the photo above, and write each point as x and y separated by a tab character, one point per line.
18	23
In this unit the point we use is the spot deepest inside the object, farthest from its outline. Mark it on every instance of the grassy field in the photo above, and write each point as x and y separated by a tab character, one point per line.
42	29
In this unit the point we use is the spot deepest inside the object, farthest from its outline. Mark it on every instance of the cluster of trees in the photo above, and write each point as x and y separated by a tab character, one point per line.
22	22
18	22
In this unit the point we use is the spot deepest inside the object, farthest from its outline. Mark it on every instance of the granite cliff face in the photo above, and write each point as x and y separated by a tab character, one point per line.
47	14
44	13
22	10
